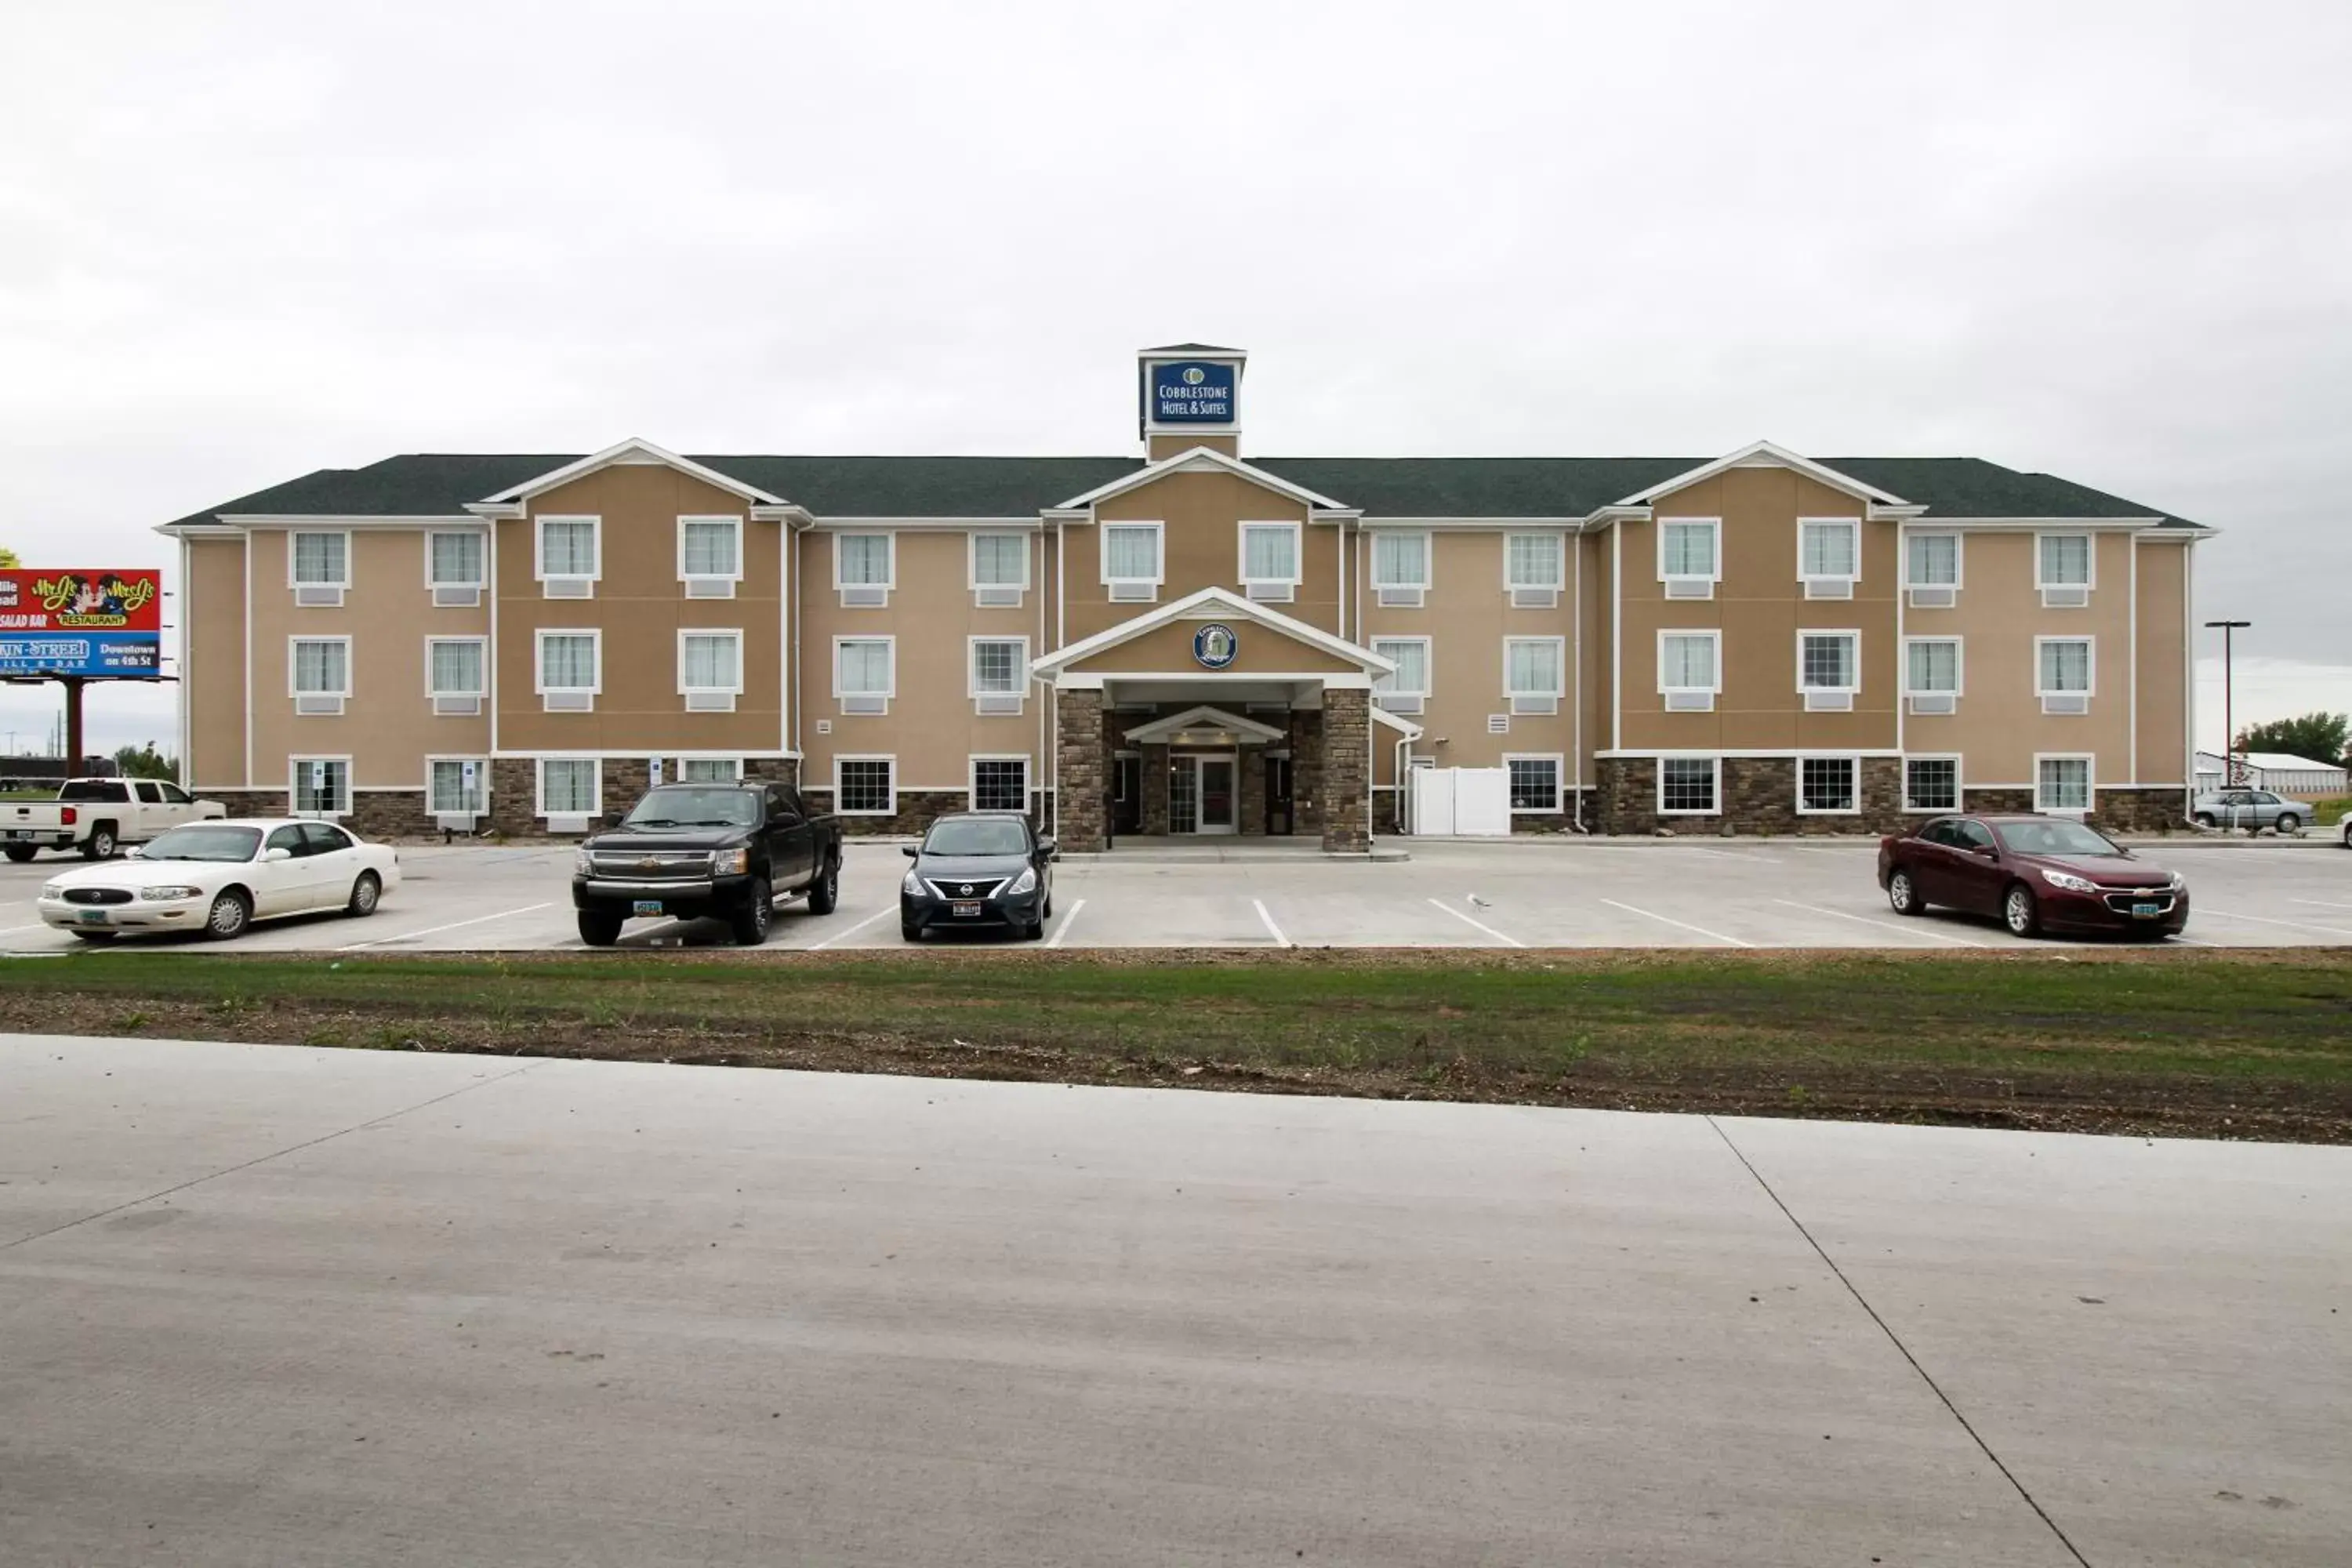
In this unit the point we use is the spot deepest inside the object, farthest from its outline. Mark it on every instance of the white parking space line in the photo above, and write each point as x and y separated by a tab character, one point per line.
1678	925
1505	939
853	930
1911	929
453	925
37	925
2320	903
1272	930
1063	928
2263	920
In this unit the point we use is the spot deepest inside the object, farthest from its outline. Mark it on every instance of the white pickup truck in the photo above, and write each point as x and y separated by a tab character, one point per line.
96	816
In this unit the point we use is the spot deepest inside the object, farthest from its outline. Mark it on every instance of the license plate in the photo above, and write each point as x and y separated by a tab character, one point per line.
2146	911
20	832
93	917
964	911
647	907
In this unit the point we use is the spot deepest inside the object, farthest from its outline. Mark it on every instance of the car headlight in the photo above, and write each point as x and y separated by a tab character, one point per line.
730	862
167	894
583	863
56	889
912	886
2070	882
2180	884
1024	883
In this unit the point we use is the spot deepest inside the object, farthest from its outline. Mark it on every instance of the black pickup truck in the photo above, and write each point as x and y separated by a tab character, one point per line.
689	851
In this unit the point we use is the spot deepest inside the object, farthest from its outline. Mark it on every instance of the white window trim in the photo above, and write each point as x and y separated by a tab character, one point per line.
972	667
734	763
1853	634
1715	550
1558	664
481	579
1297	554
2090	667
1714	763
1712	635
972	558
2090	558
971	779
890	757
1850	759
292	552
539	785
889	583
735	577
1428	559
482	690
1854	529
1960	784
1959	668
1559	760
1428	666
293	788
538	658
2090	782
1960	557
539	548
890	692
686	632
1158	551
293	665
481	775
1558	583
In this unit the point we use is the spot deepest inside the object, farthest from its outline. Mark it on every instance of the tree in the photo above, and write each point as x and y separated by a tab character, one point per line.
2320	737
8	562
146	762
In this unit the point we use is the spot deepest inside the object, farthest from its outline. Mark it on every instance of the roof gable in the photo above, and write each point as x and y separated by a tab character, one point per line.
1202	459
632	450
1213	603
1764	454
1248	730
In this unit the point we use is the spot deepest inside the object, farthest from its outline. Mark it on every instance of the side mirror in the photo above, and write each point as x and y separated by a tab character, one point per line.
1988	852
277	854
911	850
614	819
135	852
1049	849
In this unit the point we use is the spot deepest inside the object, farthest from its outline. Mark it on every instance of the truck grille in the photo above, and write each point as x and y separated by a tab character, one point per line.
653	865
2122	903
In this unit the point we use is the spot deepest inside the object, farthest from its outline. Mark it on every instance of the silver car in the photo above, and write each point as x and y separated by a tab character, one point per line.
2251	808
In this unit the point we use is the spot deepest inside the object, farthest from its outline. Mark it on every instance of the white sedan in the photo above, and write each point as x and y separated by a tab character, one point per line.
218	878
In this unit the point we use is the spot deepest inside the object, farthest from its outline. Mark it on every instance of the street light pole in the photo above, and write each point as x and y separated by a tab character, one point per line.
2231	773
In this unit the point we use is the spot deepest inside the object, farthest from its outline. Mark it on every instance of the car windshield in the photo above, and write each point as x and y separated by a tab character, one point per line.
684	806
2055	838
205	841
977	836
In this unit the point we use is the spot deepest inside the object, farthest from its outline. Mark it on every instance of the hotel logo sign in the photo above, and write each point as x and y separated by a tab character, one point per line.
1192	392
1215	646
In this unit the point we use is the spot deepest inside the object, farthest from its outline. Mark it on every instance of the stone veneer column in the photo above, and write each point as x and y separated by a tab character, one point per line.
1307	770
1252	822
1081	773
1154	785
1347	770
514	792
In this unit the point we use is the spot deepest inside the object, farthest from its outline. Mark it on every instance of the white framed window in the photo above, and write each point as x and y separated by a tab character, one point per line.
1270	567
710	770
1534	570
319	786
568	668
456	675
456	786
571	793
1690	671
865	674
2065	673
319	675
999	784
1132	566
710	556
569	556
319	567
1000	570
1533	675
865	569
710	668
1828	786
865	786
1399	569
2061	782
1406	692
2063	570
1535	781
1931	570
456	567
1829	556
1000	674
1931	674
1690	556
1689	787
1931	784
1829	670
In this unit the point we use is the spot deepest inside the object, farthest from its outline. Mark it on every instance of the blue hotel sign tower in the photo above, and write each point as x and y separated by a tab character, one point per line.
1194	387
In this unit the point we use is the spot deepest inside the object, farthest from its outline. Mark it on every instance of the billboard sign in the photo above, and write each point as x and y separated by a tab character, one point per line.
1191	392
98	624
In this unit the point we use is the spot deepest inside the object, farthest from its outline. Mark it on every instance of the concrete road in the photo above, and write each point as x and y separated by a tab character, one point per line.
271	1305
1450	894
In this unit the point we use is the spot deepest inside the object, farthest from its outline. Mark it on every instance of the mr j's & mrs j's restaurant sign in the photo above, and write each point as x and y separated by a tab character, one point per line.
1192	392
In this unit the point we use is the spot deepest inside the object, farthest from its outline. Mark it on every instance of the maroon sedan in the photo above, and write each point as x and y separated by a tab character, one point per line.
2034	872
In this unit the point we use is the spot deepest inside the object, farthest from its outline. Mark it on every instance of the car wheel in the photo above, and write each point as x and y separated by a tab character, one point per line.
96	936
365	894
825	893
1903	894
99	844
20	853
759	910
2205	819
231	913
2289	822
598	928
2019	912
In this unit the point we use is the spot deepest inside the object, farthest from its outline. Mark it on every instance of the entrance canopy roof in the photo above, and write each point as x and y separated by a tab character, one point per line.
1206	726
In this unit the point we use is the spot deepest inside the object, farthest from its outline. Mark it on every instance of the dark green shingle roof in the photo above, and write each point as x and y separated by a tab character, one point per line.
440	484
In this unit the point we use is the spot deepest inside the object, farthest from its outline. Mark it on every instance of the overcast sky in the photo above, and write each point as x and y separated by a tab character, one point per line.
2114	242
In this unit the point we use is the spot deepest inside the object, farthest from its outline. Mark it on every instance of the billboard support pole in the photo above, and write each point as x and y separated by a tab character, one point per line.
73	684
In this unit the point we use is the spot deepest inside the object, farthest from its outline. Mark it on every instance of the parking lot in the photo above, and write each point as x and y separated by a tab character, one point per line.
1531	894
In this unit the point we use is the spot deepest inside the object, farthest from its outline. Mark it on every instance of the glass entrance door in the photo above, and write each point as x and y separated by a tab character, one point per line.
1219	794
